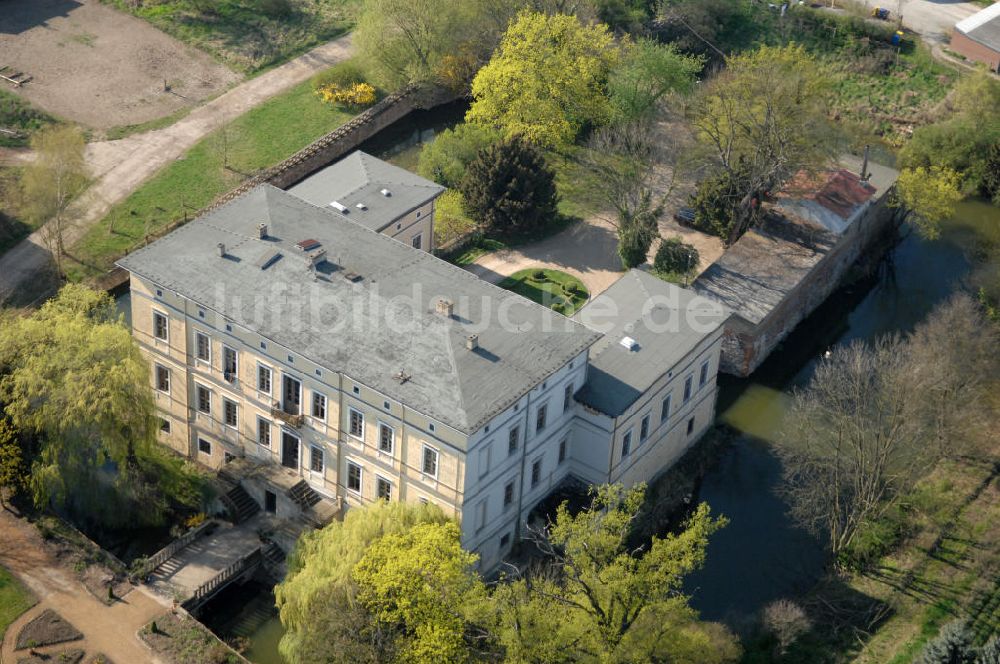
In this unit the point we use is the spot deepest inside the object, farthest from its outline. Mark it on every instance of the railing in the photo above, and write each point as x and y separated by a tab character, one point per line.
203	592
170	550
290	419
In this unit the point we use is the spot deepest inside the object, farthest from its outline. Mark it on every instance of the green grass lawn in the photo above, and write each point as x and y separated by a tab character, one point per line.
556	290
256	140
248	35
19	116
15	599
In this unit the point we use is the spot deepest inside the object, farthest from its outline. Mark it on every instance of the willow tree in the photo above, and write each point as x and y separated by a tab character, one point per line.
72	377
763	119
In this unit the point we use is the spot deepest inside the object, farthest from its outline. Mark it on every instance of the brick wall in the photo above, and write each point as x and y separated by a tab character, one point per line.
975	51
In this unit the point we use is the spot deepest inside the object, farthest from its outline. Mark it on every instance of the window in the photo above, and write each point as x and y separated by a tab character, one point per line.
513	440
160	326
319	406
567	396
644	429
357	390
263	432
264	379
480	516
202	347
383	488
263	345
319	372
626	443
291	395
665	409
385	404
484	459
430	425
536	473
386	438
687	388
162	378
703	376
690	426
505	540
229	412
353	477
316	459
563	444
227	457
204	399
508	494
540	418
204	446
164	426
430	461
357	424
270	502
229	363
418	240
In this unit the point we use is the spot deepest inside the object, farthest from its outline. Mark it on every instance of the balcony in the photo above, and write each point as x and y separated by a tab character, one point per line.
291	419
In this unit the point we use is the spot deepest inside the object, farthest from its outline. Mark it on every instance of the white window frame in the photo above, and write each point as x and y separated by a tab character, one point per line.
666	408
350	426
703	374
270	379
236	411
169	426
392	438
567	396
197	400
156	377
627	443
535	481
206	441
312	406
513	494
542	410
644	428
417	241
563	453
379	480
423	461
313	449
236	362
264	424
208	344
166	326
688	387
516	430
361	477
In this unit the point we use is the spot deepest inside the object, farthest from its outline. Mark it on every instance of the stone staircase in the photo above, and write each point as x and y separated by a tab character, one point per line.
239	504
304	495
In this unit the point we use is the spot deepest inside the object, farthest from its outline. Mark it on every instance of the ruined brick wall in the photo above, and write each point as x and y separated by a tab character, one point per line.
975	51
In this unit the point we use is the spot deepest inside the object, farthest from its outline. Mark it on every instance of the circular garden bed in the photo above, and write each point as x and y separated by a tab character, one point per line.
559	291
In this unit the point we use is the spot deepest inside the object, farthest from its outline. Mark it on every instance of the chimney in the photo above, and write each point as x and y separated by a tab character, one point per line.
317	257
222	250
472	341
444	307
864	166
262	231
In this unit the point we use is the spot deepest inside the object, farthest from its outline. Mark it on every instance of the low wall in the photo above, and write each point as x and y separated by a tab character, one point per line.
318	154
975	51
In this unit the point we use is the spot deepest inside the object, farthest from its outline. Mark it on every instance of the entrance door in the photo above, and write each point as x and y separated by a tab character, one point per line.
289	451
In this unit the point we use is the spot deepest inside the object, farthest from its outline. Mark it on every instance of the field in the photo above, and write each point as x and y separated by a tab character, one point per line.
15	599
219	162
102	68
248	35
557	290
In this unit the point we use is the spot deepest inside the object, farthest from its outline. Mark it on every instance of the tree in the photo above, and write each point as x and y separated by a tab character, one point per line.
990	653
648	72
852	440
445	159
929	196
718	199
71	375
509	189
762	120
637	229
952	646
318	600
605	601
545	82
420	582
13	475
786	621
52	181
675	256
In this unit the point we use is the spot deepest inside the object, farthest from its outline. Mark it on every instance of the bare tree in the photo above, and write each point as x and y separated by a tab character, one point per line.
852	441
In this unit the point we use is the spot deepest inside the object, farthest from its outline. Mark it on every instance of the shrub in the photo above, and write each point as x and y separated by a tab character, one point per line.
952	646
446	158
675	256
343	75
786	621
990	653
538	275
358	94
509	189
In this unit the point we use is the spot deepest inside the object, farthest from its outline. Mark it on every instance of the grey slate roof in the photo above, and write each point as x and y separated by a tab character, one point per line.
360	178
666	321
344	325
983	27
761	268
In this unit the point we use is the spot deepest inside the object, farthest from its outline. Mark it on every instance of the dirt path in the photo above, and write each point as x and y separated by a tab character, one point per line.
107	629
121	166
587	250
15	156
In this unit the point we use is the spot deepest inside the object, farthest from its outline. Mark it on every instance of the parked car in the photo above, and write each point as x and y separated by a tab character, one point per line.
685	216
